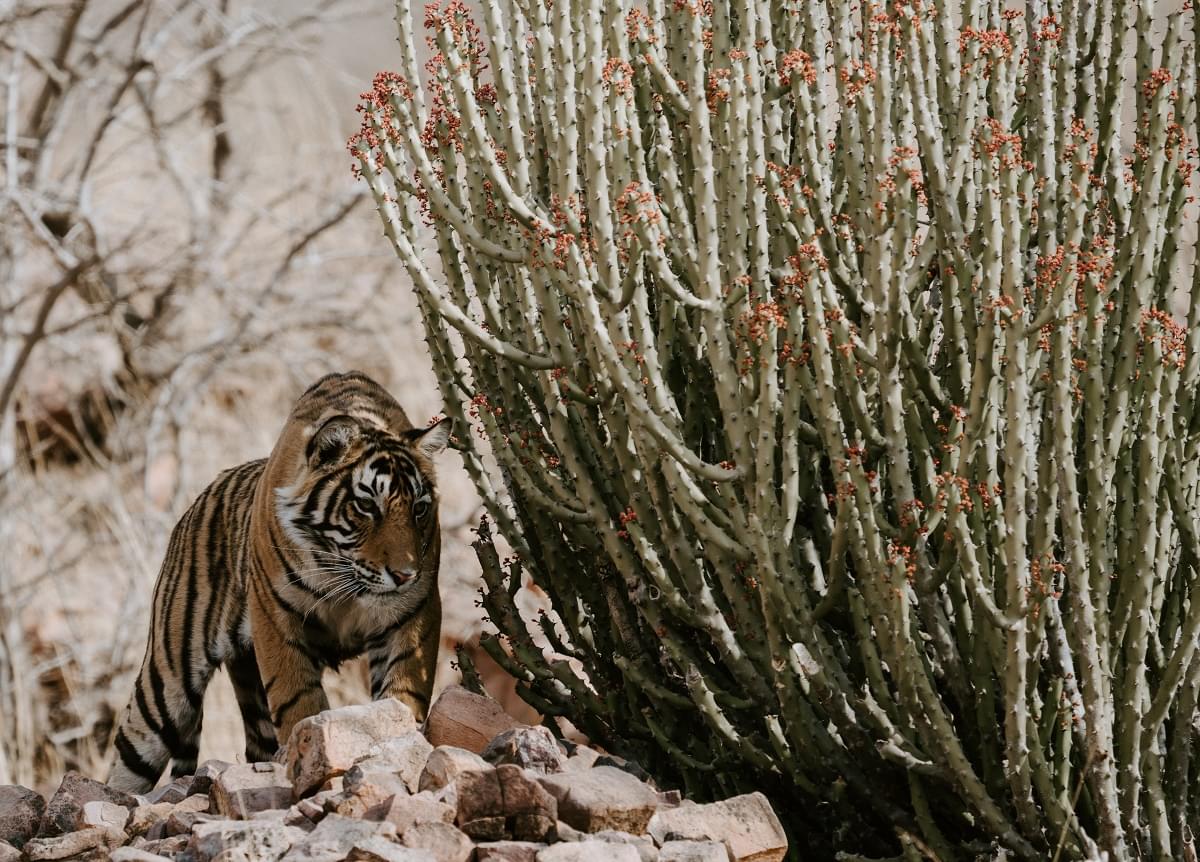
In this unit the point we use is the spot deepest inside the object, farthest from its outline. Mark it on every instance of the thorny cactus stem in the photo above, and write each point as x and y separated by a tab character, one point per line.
826	352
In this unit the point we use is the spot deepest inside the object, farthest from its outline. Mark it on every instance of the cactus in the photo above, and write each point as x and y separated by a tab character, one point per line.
826	372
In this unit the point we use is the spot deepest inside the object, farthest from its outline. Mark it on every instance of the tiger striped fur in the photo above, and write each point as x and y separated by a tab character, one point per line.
282	567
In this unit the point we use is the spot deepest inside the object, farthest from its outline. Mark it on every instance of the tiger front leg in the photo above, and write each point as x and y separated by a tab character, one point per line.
405	664
290	675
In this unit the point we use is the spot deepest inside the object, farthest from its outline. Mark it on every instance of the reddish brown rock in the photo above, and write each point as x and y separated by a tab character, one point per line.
507	851
20	814
466	720
602	798
246	788
443	841
746	825
484	829
65	809
328	744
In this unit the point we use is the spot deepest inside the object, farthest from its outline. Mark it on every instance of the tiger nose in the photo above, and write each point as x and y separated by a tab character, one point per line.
403	575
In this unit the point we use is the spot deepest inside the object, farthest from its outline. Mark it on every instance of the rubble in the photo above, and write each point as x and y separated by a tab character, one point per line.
363	784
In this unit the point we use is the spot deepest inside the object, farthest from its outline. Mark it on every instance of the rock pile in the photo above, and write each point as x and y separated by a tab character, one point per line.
365	784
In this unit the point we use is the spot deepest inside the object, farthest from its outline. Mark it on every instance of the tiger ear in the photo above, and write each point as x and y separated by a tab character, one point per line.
331	440
431	441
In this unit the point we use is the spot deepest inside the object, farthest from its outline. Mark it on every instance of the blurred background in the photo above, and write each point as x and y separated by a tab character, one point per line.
183	250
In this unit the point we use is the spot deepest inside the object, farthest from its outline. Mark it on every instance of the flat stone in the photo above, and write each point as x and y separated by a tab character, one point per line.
466	720
8	853
446	763
404	756
166	846
104	814
21	812
581	758
73	843
588	851
646	848
693	851
246	788
403	811
746	825
258	840
65	809
507	851
334	838
624	765
443	841
375	849
183	822
532	748
326	745
132	854
603	797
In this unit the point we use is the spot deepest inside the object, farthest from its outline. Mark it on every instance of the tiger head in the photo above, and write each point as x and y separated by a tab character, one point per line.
363	506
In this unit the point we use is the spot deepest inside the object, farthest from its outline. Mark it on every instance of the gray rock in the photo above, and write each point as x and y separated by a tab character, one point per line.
603	797
443	841
746	825
532	748
94	838
403	811
246	788
334	838
445	764
176	791
20	814
646	848
258	840
404	756
132	854
693	851
8	853
65	809
588	851
375	849
208	772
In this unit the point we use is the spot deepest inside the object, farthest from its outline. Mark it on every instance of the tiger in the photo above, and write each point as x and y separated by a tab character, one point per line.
325	550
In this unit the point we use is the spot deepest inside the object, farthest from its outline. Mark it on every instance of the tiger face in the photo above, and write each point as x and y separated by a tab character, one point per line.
364	507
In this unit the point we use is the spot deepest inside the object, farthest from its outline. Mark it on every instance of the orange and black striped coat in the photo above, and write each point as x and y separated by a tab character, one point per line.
282	567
